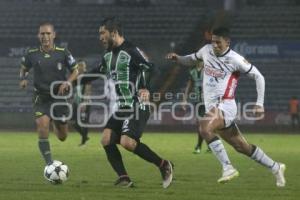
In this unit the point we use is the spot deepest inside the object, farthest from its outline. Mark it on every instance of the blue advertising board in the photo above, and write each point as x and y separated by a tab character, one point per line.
267	48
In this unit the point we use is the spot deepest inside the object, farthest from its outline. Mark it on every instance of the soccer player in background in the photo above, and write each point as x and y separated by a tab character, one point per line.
50	63
130	69
195	83
222	67
294	111
83	113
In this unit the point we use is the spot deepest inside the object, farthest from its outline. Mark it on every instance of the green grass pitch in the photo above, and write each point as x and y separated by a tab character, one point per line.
91	177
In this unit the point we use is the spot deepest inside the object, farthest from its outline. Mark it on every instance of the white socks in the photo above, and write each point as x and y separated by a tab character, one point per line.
219	151
262	158
259	156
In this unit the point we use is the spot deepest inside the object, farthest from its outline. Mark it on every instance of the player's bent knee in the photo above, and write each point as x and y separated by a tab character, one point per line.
128	146
61	132
43	130
62	136
241	148
211	128
106	136
207	132
128	143
204	131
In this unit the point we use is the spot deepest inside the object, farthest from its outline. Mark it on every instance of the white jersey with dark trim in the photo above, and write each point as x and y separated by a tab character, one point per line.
221	74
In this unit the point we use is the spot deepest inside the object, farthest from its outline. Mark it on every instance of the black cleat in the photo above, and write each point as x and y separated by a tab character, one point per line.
83	141
124	182
167	173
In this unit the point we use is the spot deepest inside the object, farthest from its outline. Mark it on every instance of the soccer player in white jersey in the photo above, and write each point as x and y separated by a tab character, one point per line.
222	67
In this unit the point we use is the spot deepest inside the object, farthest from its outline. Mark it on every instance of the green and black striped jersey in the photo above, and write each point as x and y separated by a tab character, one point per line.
129	68
196	76
48	66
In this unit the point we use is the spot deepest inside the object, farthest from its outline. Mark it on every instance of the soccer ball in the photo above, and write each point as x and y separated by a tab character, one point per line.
57	172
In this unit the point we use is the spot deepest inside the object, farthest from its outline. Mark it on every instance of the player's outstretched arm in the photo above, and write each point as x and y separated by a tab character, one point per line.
172	56
187	60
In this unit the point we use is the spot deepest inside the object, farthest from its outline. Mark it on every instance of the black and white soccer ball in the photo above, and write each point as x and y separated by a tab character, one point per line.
57	172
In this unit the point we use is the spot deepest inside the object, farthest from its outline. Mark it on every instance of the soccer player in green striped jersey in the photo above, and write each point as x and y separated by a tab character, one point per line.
127	65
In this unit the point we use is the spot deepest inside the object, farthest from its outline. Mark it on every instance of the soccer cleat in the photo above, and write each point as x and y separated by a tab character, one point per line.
228	175
280	179
167	173
124	182
83	141
197	151
208	150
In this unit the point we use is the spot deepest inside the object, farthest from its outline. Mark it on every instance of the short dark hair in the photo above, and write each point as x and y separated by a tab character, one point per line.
222	32
47	24
80	60
113	24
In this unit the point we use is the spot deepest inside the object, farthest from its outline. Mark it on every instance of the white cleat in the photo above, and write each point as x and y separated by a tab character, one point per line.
197	151
280	179
228	175
167	173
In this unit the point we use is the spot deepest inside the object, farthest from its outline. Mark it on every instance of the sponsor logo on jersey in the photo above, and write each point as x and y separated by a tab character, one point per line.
217	73
227	60
123	59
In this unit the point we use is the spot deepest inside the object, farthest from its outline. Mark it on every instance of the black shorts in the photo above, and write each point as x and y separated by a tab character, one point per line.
42	106
128	122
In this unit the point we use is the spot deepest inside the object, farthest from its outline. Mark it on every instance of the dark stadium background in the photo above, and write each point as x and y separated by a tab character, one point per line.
266	32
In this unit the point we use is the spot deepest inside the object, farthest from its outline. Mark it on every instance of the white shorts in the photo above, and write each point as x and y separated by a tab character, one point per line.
229	109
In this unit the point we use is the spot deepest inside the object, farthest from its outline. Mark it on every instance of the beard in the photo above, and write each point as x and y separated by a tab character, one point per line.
110	44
